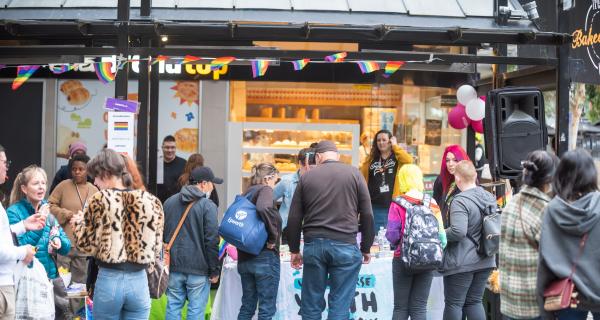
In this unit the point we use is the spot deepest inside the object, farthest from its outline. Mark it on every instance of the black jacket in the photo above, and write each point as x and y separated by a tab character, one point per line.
196	248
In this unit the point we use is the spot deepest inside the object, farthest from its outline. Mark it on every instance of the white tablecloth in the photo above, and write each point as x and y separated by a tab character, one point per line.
375	299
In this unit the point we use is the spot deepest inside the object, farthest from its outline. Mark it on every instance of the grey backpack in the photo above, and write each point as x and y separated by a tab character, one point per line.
489	241
421	246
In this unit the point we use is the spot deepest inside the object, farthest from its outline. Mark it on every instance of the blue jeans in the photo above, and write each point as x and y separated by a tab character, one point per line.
260	281
333	263
411	292
509	318
380	217
575	314
121	295
463	295
190	287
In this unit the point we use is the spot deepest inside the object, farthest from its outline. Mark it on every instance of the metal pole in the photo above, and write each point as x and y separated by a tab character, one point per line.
563	82
153	126
143	115
123	42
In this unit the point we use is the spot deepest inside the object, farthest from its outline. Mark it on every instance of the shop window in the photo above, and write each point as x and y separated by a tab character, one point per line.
417	116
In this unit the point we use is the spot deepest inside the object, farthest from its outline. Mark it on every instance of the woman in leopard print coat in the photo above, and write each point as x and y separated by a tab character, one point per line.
122	229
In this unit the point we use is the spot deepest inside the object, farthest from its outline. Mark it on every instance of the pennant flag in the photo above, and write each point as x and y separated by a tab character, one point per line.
300	64
222	248
188	58
338	57
259	67
391	67
61	68
368	66
159	58
2	66
89	308
23	73
104	73
217	63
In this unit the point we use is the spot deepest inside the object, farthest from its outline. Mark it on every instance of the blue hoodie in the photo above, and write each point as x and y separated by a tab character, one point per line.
39	238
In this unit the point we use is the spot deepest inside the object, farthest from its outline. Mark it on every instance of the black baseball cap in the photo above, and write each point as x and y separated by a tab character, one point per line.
204	174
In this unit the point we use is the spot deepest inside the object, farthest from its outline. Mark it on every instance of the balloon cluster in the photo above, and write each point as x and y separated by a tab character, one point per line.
470	110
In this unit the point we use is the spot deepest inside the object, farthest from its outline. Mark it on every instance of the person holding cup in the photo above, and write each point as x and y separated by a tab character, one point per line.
27	199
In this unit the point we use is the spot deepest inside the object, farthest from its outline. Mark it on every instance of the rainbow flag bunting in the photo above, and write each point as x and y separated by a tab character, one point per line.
104	72
300	64
259	68
222	248
2	66
159	58
61	68
218	63
338	57
189	58
89	308
23	73
368	66
391	67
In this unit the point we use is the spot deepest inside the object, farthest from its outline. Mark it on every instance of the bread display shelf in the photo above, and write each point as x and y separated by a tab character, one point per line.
286	150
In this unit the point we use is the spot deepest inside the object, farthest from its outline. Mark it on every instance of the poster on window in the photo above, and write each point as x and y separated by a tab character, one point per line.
120	132
433	132
179	116
81	115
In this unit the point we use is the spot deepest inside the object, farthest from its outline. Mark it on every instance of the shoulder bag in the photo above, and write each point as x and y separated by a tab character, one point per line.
158	276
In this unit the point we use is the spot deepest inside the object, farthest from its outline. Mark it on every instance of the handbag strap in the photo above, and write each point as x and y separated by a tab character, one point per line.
185	213
581	246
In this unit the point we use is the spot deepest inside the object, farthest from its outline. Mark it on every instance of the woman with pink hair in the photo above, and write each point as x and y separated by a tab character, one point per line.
444	188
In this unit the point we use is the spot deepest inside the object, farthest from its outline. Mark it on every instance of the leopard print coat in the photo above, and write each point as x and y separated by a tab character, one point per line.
121	226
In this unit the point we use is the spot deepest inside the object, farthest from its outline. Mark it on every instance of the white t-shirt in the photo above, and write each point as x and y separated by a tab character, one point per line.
9	253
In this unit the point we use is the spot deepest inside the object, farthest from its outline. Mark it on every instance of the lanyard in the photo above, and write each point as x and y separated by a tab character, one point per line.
81	201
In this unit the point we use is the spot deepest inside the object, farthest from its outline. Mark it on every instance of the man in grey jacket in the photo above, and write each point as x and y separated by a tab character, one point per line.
194	254
465	271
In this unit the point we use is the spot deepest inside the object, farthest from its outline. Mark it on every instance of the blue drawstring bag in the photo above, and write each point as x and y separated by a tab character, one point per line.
242	227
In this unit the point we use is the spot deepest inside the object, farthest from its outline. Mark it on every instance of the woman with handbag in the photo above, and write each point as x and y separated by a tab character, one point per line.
260	274
122	229
569	259
521	226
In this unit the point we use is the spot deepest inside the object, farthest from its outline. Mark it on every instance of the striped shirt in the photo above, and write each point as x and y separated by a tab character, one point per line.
521	225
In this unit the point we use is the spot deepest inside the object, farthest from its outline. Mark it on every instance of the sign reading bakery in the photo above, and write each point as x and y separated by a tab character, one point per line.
585	45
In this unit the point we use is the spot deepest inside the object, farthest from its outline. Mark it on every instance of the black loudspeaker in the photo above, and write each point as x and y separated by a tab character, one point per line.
514	125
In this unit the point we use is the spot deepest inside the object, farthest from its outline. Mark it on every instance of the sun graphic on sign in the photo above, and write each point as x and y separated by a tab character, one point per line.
186	91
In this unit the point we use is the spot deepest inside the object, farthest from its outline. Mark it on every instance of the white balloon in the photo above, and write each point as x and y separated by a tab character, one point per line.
466	94
475	109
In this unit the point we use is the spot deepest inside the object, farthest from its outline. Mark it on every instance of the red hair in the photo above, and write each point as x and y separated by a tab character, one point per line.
460	154
132	168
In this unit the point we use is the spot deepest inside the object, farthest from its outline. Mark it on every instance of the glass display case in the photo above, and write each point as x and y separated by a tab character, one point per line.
279	143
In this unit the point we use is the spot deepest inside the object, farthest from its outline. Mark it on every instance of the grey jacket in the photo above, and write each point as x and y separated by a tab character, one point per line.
563	226
461	254
196	248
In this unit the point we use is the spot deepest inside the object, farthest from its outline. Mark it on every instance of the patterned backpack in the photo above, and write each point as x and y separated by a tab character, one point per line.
421	246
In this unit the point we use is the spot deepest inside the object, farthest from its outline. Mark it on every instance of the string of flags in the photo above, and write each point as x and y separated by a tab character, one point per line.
259	66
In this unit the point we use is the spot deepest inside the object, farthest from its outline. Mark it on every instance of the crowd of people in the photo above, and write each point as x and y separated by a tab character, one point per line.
100	223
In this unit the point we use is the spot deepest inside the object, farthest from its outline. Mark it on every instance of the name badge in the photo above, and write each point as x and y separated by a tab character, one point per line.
385	188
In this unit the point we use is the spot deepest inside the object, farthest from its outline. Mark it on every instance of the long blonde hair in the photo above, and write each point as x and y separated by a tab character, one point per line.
23	179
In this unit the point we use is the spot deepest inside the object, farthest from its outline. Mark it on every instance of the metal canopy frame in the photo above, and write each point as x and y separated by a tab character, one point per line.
141	36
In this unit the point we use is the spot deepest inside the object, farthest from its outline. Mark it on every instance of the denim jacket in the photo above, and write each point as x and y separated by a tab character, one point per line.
285	190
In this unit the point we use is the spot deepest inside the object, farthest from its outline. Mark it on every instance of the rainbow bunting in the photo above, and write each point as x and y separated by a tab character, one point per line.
338	57
23	73
2	66
259	67
61	68
218	63
159	58
89	308
104	72
391	67
222	248
300	64
189	58
368	66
